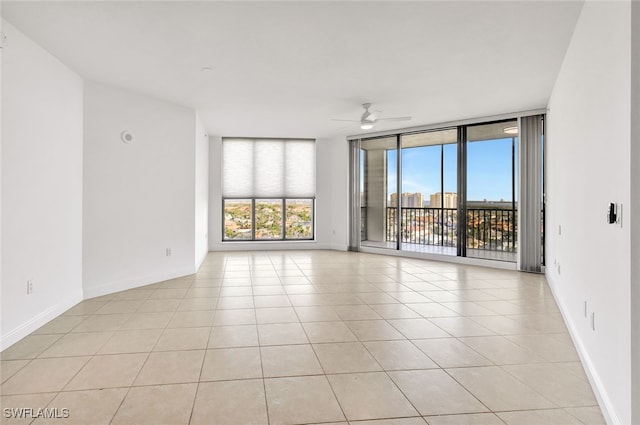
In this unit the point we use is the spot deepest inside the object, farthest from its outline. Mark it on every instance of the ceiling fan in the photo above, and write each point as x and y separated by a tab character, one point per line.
369	119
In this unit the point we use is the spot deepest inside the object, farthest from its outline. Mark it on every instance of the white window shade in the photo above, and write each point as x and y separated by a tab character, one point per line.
237	166
269	164
268	168
300	169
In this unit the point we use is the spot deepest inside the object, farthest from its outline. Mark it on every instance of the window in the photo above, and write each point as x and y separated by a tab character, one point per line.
268	189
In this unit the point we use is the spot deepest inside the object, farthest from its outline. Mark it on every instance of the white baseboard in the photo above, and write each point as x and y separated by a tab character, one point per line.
201	260
39	320
57	309
337	247
130	283
592	374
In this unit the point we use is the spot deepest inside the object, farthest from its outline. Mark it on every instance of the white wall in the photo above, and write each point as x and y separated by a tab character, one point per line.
332	175
588	148
337	172
41	186
634	217
1	309
215	193
139	198
331	191
202	193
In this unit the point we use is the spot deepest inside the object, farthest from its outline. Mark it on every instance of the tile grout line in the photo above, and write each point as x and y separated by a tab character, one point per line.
353	289
204	357
324	373
143	364
91	357
391	379
264	384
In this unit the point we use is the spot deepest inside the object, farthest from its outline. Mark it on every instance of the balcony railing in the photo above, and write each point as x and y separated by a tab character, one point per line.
491	229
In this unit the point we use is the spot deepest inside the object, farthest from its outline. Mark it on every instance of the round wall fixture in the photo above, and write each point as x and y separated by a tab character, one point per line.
126	137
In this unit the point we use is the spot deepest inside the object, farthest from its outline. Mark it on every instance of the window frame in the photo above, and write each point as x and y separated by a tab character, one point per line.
284	198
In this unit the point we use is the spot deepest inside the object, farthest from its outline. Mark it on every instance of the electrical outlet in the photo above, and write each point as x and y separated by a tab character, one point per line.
29	287
168	252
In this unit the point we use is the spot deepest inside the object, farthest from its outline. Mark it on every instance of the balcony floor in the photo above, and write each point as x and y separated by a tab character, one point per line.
445	250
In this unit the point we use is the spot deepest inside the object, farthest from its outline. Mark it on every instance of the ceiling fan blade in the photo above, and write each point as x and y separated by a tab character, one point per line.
338	119
394	119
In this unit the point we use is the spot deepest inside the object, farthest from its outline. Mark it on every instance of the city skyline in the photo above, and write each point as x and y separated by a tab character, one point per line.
409	200
489	170
418	199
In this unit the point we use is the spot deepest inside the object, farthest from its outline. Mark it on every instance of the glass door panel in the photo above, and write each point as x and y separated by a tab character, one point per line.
428	199
378	185
492	212
450	199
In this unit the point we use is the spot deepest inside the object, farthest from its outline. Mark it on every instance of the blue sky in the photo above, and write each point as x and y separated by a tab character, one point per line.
488	170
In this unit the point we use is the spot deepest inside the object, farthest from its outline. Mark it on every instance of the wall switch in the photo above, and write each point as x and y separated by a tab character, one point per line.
168	252
559	230
29	287
593	321
585	309
614	214
619	221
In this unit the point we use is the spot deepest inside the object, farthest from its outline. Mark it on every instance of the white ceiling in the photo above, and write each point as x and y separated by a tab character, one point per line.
284	69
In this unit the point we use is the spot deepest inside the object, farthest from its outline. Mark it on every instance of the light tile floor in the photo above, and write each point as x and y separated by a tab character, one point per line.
305	337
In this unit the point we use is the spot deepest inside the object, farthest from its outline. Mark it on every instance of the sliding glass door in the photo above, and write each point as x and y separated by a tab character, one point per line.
428	207
491	207
453	191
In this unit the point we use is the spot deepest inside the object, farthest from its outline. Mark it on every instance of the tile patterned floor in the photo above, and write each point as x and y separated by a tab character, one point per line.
308	337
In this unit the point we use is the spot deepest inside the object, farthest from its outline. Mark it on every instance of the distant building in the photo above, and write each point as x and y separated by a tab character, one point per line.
409	200
450	200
